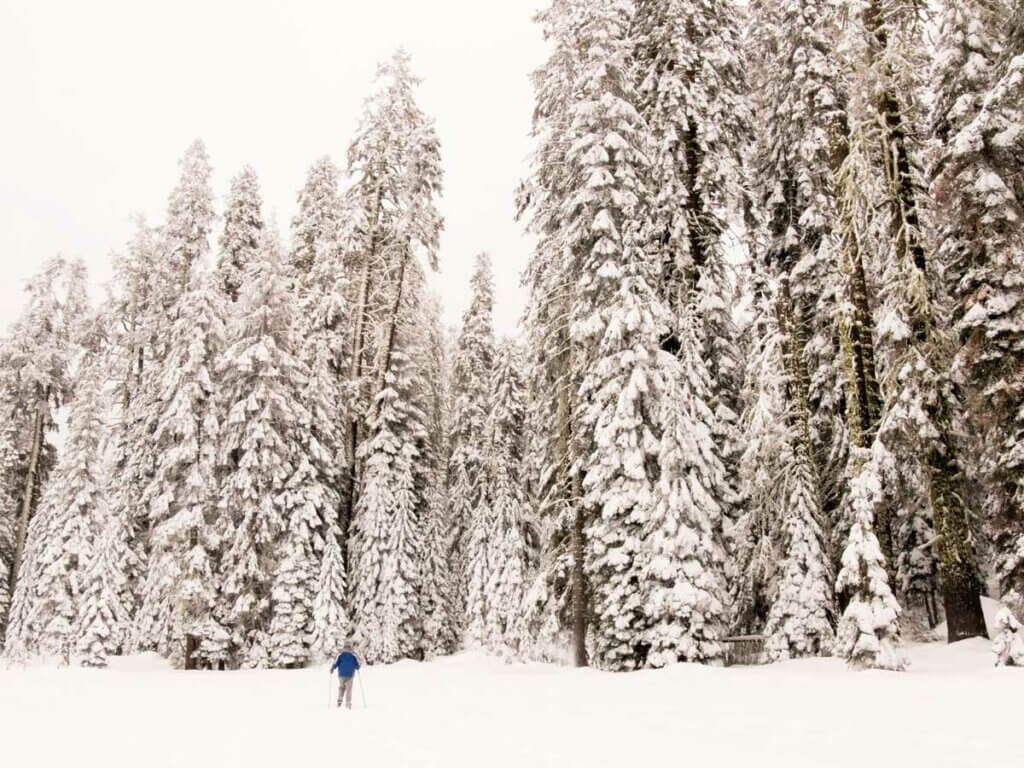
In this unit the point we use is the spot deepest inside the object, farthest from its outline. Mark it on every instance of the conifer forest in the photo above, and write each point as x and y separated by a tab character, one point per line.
768	382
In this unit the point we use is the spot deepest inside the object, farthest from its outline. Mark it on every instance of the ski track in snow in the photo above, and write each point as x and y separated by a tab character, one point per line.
953	708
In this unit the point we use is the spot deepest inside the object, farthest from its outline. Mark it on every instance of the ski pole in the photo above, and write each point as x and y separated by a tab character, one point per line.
362	691
330	688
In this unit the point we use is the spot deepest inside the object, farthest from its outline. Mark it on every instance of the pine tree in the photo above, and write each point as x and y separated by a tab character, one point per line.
271	500
469	514
331	624
505	500
980	199
394	163
189	221
34	362
136	325
692	98
180	592
869	633
432	354
102	613
317	227
242	238
62	536
388	545
324	326
558	598
918	419
684	591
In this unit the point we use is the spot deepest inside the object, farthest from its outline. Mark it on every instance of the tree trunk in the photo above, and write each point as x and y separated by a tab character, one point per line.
191	644
28	496
961	581
570	489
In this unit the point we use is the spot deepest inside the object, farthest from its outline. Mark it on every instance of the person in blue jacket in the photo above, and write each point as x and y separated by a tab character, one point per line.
347	663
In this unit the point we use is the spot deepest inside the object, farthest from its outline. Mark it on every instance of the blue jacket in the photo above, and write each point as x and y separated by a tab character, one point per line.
346	664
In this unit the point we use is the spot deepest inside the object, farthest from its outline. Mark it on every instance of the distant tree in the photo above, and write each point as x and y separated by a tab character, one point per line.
242	238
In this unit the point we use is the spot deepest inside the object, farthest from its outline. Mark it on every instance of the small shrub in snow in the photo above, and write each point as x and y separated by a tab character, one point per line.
1009	643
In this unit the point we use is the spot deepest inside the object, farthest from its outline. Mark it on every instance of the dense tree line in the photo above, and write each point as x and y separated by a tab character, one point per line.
770	380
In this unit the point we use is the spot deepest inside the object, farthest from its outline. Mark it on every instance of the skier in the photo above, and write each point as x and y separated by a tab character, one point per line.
347	663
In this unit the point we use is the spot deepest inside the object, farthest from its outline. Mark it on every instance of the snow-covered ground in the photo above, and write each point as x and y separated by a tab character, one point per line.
953	708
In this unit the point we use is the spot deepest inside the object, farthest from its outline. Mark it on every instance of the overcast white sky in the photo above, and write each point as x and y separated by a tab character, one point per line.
99	98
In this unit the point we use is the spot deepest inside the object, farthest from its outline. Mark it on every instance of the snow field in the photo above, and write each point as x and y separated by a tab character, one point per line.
472	710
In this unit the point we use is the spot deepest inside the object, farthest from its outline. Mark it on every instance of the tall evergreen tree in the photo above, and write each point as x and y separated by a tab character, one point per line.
684	592
918	419
103	613
180	591
242	237
692	96
388	545
394	163
61	537
470	516
438	595
34	362
271	500
980	198
558	600
317	227
189	221
506	548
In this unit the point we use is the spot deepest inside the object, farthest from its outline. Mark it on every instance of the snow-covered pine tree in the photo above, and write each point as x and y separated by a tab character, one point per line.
180	590
322	292
917	423
331	624
394	163
61	536
34	364
505	496
323	352
102	615
692	95
316	228
269	494
614	322
439	609
317	270
388	537
799	98
136	322
784	571
869	633
754	568
242	238
469	514
189	222
977	187
558	597
154	276
1008	644
683	592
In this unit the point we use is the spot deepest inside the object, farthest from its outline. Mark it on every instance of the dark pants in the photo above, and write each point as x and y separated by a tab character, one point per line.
345	690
